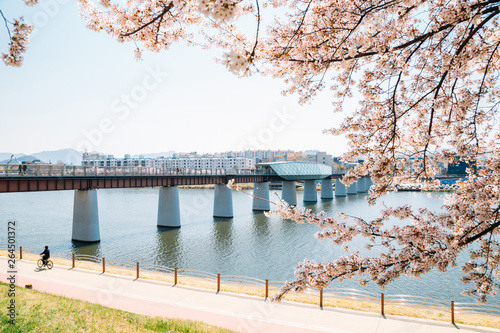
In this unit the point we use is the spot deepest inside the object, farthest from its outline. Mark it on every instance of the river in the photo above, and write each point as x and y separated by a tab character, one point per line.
250	244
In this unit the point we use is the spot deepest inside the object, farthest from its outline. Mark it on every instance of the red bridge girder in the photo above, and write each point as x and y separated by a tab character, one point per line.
29	184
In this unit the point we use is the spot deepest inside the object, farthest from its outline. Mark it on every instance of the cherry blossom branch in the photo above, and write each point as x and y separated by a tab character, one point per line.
6	25
157	17
252	54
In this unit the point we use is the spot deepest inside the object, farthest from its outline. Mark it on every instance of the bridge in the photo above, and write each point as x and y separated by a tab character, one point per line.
86	180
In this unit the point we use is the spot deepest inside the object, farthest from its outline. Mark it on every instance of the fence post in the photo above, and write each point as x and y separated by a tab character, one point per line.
20	252
175	276
267	289
137	270
453	312
218	282
73	260
103	265
382	304
321	298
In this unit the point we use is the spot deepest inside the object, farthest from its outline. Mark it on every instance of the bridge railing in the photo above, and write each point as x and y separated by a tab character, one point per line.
61	170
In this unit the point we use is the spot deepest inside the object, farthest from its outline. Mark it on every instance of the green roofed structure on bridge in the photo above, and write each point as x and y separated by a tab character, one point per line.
298	171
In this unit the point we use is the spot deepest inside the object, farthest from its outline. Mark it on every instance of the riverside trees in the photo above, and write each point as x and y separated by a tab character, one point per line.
425	74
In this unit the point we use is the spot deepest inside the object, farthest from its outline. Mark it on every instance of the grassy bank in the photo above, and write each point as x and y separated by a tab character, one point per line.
359	305
42	312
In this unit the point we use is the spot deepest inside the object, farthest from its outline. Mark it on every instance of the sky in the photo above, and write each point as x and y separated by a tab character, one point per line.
83	90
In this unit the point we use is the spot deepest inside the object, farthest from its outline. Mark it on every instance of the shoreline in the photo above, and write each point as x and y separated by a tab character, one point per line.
481	320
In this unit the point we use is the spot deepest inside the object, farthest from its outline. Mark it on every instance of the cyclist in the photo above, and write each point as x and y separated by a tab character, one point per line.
45	255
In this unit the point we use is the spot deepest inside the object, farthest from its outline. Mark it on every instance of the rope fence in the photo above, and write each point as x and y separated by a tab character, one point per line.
220	280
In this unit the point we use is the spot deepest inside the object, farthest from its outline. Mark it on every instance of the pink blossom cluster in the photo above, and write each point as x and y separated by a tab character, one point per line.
157	24
18	43
220	10
237	63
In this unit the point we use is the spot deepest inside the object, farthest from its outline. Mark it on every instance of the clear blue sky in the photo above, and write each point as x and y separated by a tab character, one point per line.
82	89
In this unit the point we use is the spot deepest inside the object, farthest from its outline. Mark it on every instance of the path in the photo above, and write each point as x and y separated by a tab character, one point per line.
236	312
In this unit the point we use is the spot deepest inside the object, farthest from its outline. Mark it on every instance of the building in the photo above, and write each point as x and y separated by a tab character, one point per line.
179	162
101	160
246	159
205	163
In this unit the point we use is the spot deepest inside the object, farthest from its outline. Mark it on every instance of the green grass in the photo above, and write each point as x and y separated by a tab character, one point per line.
43	312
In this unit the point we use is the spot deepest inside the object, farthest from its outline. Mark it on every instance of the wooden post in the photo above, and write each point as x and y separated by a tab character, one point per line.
20	252
382	304
267	289
103	265
175	276
73	260
218	282
453	312
321	298
137	270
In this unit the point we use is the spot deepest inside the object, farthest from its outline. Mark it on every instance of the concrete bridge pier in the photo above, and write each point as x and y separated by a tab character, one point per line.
223	201
288	192
310	192
339	189
353	188
169	214
261	190
326	188
368	183
361	185
85	217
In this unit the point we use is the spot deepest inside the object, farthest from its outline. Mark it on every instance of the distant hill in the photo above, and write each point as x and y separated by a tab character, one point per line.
6	156
16	158
26	158
67	156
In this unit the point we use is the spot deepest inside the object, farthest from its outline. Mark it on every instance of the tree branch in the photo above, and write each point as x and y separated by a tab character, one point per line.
160	16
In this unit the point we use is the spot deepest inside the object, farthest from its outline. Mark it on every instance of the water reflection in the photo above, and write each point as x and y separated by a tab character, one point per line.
222	235
260	226
169	250
91	249
223	252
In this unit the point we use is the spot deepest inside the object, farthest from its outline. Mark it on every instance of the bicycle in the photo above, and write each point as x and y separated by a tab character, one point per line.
49	263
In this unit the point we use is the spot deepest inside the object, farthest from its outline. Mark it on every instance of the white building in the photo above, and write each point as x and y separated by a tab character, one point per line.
101	160
204	163
185	162
227	160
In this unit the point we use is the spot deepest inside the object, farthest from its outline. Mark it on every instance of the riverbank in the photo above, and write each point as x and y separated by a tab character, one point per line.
259	291
43	312
241	313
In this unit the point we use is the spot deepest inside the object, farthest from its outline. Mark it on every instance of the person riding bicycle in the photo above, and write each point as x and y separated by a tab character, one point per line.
45	255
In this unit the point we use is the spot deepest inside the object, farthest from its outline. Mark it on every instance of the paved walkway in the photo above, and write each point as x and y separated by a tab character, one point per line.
236	312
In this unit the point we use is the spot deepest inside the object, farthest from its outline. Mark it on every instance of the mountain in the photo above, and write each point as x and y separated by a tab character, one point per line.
25	158
6	156
67	156
15	158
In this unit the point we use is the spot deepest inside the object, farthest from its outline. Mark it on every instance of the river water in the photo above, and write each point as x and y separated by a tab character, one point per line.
250	244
